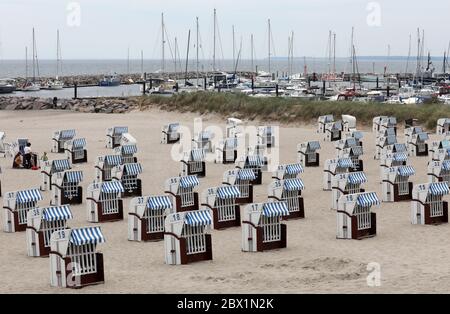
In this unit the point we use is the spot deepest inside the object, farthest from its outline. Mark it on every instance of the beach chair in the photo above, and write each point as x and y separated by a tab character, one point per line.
438	150
417	144
395	184
233	128
104	203
253	162
127	152
443	126
334	167
354	153
114	136
193	163
241	178
287	171
222	203
181	189
376	125
74	260
308	155
170	133
355	219
262	227
187	237
128	174
226	151
333	131
146	217
289	191
388	123
16	206
76	151
392	160
60	138
66	189
346	183
322	122
104	167
427	205
4	147
439	171
266	136
41	223
203	141
381	143
49	169
357	135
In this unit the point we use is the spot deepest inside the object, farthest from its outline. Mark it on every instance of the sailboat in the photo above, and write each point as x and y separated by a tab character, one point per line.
56	84
31	86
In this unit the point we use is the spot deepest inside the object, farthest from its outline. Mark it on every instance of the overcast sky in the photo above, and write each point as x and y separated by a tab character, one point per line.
108	27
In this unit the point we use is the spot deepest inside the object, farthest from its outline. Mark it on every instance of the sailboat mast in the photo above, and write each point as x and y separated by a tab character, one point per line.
34	51
409	56
26	62
175	59
334	53
128	61
252	53
329	51
142	63
197	40
214	40
352	60
57	54
162	44
234	47
268	35
187	57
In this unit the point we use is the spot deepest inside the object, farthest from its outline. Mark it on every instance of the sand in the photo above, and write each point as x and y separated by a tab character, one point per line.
412	258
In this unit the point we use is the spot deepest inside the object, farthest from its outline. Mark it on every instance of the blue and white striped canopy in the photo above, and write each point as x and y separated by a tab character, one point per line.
113	160
313	146
228	191
275	209
368	199
79	143
423	136
173	127
91	235
254	161
390	132
120	130
445	144
60	165
357	151
133	169
358	135
159	202
401	157
197	155
294	169
268	130
391	139
351	142
357	178
337	125
439	188
417	130
231	143
400	148
406	171
57	213
246	174
26	196
66	134
112	187
205	135
294	185
345	163
189	181
198	218
129	149
446	165
73	176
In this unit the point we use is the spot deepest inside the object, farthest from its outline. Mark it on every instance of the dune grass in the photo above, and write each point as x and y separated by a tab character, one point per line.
291	110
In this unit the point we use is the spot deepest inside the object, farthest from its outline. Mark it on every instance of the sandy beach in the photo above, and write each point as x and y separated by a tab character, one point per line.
413	258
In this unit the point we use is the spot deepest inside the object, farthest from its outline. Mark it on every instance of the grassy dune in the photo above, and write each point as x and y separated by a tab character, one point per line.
293	110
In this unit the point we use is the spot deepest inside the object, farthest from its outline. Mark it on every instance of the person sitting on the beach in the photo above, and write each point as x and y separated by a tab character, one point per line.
17	160
27	156
44	157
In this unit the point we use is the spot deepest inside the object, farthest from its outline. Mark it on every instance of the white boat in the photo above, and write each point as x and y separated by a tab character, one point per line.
30	86
445	99
54	84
